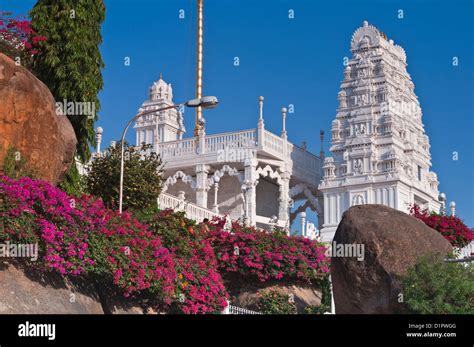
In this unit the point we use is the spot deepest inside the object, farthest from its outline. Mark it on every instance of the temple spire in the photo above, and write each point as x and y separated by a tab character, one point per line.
199	65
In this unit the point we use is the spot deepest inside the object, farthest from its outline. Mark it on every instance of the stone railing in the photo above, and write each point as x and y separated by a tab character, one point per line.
192	211
267	221
239	139
179	148
273	143
231	309
305	164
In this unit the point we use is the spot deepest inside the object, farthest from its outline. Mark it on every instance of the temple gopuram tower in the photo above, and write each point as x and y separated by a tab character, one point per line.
161	126
380	152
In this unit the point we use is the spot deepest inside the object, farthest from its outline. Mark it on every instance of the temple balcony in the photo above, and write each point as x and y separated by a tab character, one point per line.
250	174
237	146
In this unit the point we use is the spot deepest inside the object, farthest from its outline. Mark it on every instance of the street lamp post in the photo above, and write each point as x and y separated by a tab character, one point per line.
204	102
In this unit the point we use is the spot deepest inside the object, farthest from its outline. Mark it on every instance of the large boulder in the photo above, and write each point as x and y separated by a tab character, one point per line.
29	123
392	241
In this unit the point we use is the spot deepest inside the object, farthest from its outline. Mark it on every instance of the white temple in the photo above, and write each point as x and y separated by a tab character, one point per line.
380	152
251	174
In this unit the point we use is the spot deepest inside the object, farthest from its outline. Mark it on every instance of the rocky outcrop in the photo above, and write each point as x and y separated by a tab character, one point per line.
29	123
392	242
26	291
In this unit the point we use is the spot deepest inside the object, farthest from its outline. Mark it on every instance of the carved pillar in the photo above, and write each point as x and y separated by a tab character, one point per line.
98	138
303	224
261	126
284	134
251	180
215	207
201	184
283	210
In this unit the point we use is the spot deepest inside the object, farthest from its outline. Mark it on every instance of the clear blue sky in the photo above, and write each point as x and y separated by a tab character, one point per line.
292	61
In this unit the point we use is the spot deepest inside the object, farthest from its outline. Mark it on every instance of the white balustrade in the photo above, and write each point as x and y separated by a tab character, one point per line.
273	143
191	210
305	164
240	139
179	148
231	309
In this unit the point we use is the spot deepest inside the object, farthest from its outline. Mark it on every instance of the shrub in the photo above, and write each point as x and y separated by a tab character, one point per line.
317	309
142	180
79	236
249	251
163	259
433	286
451	227
273	302
199	286
15	165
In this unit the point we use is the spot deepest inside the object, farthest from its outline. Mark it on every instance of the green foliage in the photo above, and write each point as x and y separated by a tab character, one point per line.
15	165
317	309
274	302
174	228
142	179
73	183
69	61
325	285
433	286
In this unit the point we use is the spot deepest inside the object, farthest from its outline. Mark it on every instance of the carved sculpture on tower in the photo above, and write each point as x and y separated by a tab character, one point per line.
380	152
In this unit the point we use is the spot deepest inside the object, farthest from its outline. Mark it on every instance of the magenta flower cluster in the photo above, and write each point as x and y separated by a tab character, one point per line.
167	257
78	236
452	228
246	250
36	212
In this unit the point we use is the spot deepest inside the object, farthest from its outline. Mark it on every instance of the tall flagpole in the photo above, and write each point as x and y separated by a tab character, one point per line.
199	66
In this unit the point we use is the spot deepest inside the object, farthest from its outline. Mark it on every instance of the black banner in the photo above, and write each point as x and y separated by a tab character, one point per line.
340	330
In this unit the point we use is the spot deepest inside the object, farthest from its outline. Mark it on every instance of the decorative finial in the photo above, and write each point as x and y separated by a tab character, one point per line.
161	75
452	205
260	104
391	42
98	136
283	114
365	23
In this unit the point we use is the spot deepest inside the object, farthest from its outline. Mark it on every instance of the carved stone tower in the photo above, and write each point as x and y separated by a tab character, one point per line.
380	152
162	126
